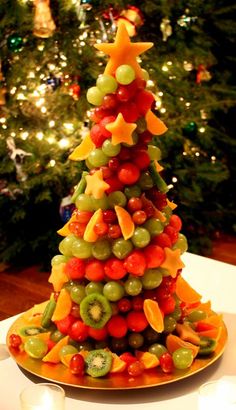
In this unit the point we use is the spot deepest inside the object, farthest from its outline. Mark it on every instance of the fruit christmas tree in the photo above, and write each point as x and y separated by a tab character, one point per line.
119	301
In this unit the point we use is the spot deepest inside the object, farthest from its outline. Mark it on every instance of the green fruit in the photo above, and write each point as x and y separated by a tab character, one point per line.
82	345
97	158
117	198
133	286
125	74
95	96
141	237
121	248
65	246
113	291
36	348
101	249
145	74
95	310
58	259
100	203
94	287
30	330
154	226
98	363
151	279
141	125
196	315
119	345
145	181
56	336
182	358
181	243
81	249
157	349
48	312
132	191
77	293
80	188
169	324
158	180
109	149
154	152
207	346
84	203
68	349
135	340
106	84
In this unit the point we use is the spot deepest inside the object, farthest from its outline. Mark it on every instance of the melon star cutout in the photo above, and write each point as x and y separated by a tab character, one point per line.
121	131
96	186
172	261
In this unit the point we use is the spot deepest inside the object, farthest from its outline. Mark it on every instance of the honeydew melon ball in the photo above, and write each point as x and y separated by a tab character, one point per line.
97	158
106	84
95	96
125	74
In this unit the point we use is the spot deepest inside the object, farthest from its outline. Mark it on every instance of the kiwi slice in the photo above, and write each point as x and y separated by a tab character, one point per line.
31	330
48	312
95	310
98	362
207	346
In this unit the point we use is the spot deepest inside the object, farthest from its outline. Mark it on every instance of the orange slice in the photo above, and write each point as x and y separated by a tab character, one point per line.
64	231
63	306
174	342
148	360
89	234
83	150
185	292
153	315
118	365
67	358
125	222
53	355
154	124
215	320
58	277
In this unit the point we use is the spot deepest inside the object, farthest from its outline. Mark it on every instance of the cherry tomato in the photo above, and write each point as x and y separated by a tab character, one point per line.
101	228
135	263
114	164
142	160
109	101
50	344
15	341
115	269
128	173
135	369
75	268
124	305
169	283
97	135
98	334
139	217
128	358
78	331
109	216
136	321
137	303
75	311
159	199
134	204
94	270
172	233
125	154
65	324
154	256
176	222
144	100
105	121
114	231
145	137
115	184
167	305
162	240
106	172
117	326
123	94
77	364
129	111
166	363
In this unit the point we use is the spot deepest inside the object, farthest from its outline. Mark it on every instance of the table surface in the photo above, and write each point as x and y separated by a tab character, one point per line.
215	281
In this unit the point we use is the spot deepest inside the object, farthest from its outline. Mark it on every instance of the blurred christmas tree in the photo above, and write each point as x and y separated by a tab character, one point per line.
47	64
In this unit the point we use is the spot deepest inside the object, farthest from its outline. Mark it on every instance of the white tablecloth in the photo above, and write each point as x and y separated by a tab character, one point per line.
215	281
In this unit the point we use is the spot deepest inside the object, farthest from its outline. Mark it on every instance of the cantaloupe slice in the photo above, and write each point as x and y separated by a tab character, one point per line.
125	221
118	365
149	360
63	306
187	334
83	150
64	231
174	342
185	292
58	276
53	355
154	124
153	315
89	233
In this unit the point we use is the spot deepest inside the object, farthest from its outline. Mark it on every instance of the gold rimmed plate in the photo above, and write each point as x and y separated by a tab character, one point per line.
119	381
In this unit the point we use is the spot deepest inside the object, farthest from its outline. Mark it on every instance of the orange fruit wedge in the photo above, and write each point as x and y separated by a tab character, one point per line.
185	292
58	276
84	353
53	355
83	150
125	222
118	365
64	231
148	360
174	342
214	319
63	306
89	233
67	358
154	124
153	315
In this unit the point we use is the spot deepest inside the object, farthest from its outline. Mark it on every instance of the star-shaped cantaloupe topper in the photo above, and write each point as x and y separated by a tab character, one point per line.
122	51
172	261
96	186
121	131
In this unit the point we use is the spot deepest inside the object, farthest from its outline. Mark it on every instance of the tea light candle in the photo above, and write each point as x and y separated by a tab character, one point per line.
217	395
43	396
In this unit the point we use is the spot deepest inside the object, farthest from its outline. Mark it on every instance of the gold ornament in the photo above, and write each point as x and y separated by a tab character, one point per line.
166	28
3	91
44	25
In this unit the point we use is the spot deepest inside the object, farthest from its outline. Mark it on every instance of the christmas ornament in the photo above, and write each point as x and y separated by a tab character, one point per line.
202	74
54	82
185	20
74	91
203	114
14	42
132	18
44	25
187	66
190	129
3	91
66	208
81	7
17	155
166	28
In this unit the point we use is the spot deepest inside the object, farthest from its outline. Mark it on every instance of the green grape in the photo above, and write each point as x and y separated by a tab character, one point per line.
133	286
151	279
145	74
154	152
182	358
84	203
141	237
109	149
57	259
177	313
121	248
68	349
65	246
196	315
81	249
106	84
181	243
117	198
94	287
169	324
157	349
97	158
95	96
154	226
56	336
88	165
36	348
113	291
145	181
100	203
77	293
150	335
167	212
164	272
141	125
101	250
125	74
132	191
135	340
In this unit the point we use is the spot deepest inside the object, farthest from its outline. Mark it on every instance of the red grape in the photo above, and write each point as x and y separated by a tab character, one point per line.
135	369
128	173
15	341
77	364
166	363
78	331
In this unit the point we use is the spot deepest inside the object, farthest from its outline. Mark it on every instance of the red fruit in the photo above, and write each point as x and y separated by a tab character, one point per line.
83	216
167	305
137	303
169	283
115	184
162	240
140	83
129	111
154	256
77	364
139	217
50	344
75	311
65	324
135	369
136	321
109	216
101	228
149	210
144	100
166	363
114	164
134	204
175	222
123	94
128	173
97	334
78	331
135	263
98	113
124	305
117	326
114	269
145	137
75	268
106	172
94	270
201	327
109	101
150	294
97	135
128	358
15	341
105	121
172	233
142	160
77	228
125	154
158	198
114	231
162	293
